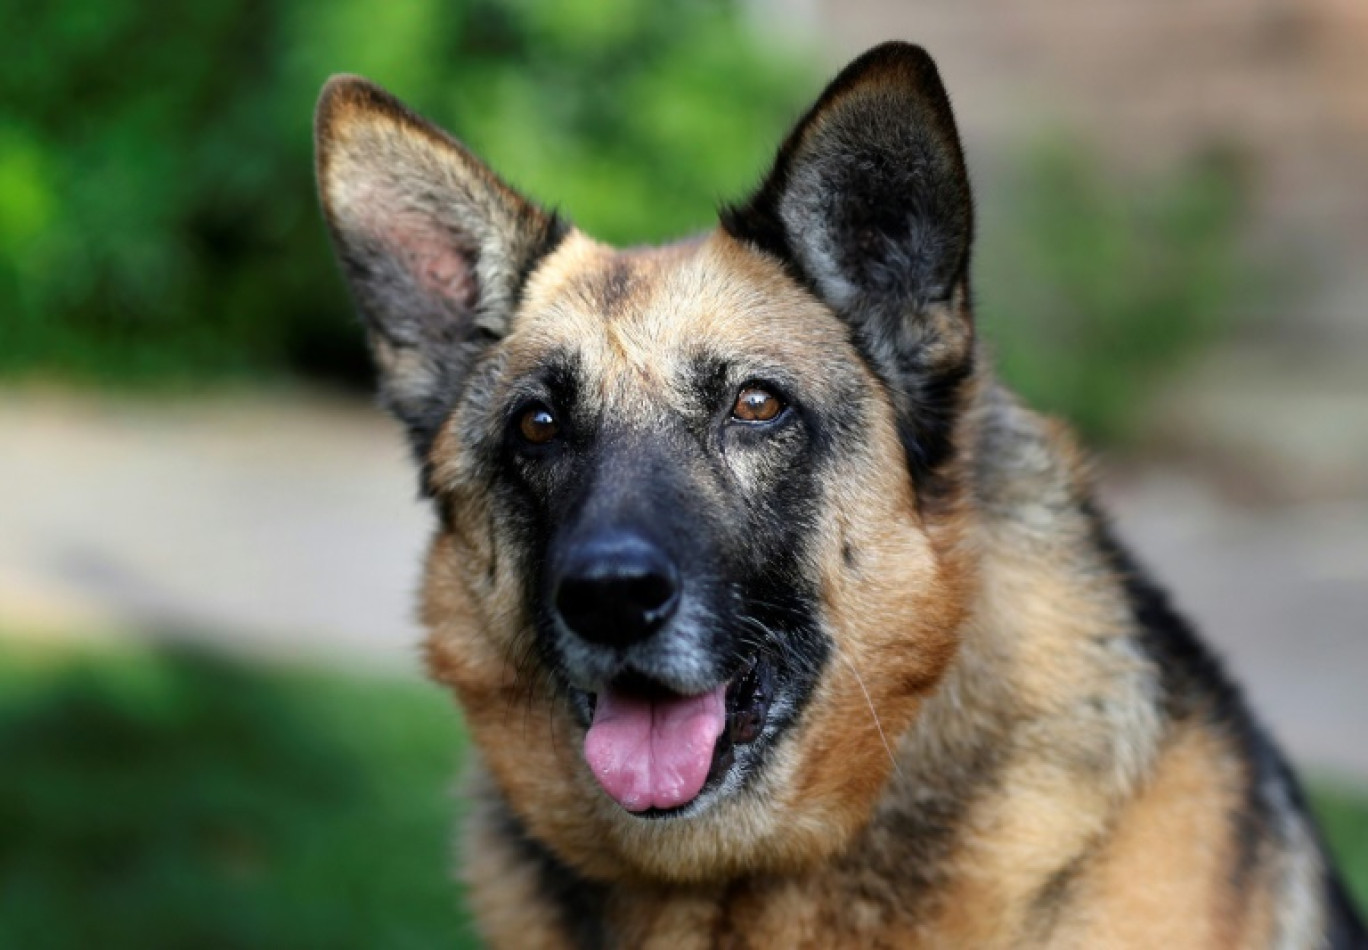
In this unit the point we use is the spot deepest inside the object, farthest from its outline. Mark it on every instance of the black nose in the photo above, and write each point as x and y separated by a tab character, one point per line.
616	588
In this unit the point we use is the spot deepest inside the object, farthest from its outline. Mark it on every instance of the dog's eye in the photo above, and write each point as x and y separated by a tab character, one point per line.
755	404
537	425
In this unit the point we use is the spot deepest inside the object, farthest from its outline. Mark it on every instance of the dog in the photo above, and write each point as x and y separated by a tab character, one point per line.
777	621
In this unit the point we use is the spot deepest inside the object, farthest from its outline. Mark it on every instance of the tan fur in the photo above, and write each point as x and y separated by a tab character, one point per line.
1177	821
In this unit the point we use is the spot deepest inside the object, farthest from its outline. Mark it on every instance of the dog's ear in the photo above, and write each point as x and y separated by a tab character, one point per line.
435	247
868	205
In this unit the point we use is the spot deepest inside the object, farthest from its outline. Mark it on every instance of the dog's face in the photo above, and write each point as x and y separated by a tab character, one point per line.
699	552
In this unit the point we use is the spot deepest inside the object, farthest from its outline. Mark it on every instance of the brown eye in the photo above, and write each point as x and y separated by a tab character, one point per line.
756	405
538	426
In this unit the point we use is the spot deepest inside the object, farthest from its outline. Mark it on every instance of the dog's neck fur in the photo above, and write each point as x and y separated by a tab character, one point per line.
1046	637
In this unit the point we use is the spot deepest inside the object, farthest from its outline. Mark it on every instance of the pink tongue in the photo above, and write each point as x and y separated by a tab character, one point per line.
654	753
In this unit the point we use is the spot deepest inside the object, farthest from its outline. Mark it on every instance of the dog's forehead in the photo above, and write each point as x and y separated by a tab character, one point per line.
650	315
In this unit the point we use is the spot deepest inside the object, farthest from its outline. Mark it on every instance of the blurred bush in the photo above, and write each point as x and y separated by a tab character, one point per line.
157	213
1091	288
158	221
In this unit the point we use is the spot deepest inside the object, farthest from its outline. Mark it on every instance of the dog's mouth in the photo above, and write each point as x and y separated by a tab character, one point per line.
654	751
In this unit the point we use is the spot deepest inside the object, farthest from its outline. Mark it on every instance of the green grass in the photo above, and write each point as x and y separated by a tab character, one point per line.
180	800
1343	815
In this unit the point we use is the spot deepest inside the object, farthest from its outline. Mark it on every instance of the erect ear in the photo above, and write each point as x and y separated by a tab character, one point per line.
435	247
868	204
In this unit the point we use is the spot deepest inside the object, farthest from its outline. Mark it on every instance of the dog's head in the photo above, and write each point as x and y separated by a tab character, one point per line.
699	555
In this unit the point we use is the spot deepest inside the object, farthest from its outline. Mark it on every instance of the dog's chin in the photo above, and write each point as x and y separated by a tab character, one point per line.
656	772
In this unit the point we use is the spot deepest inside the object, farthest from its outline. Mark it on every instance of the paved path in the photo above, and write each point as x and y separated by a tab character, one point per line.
286	527
1282	594
290	527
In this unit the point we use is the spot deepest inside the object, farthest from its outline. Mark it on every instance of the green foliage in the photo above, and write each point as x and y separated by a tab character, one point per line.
157	213
158	222
182	801
1091	289
1343	816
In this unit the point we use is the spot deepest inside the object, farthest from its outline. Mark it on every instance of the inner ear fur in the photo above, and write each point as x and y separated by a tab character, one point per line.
869	197
868	205
434	246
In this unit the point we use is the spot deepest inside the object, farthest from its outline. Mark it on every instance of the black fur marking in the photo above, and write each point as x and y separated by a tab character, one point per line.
580	904
557	385
710	383
926	428
1196	686
904	854
1193	681
609	290
1054	896
901	224
529	483
552	231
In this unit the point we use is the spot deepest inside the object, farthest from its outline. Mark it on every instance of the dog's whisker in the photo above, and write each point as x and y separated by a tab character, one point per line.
873	713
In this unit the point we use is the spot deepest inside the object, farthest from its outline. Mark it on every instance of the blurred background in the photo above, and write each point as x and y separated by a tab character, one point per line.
213	730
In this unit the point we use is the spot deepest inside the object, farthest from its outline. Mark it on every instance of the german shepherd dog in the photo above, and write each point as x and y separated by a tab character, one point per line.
775	619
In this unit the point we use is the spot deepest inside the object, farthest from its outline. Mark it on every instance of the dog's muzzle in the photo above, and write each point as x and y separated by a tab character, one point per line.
652	742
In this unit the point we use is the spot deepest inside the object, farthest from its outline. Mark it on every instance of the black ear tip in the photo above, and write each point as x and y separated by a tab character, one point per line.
894	62
898	52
